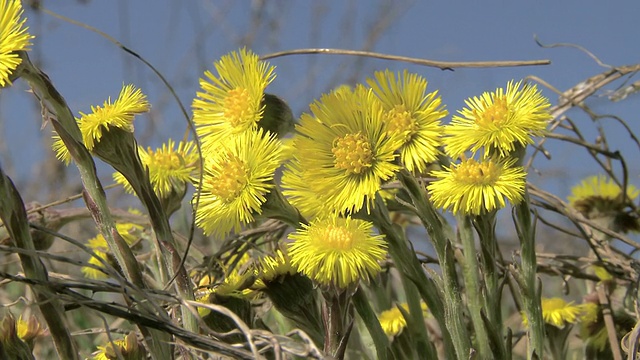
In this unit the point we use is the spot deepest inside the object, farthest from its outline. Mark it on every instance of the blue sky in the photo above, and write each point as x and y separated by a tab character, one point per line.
183	38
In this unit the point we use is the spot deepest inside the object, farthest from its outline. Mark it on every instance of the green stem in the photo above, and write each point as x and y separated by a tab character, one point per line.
486	227
453	305
121	152
473	286
14	217
335	311
380	340
412	273
527	279
65	125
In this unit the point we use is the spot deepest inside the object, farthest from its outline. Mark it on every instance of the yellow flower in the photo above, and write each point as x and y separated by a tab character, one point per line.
236	180
129	348
118	114
94	272
13	37
28	330
343	151
590	313
62	153
557	312
601	197
592	328
336	251
129	232
169	168
272	267
601	187
236	283
602	273
498	121
473	187
231	103
393	322
412	114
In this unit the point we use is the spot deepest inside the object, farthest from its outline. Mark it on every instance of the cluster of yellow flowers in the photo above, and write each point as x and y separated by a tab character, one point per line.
352	142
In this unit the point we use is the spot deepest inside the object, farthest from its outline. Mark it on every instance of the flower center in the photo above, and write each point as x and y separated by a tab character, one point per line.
554	304
338	238
166	160
352	153
230	180
237	107
472	172
493	114
400	121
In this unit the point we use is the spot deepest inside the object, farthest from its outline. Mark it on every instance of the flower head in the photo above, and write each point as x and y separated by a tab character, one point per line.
13	37
473	187
557	312
234	285
118	114
601	197
58	146
29	329
343	151
128	348
498	121
393	322
271	267
231	103
128	231
592	327
236	180
411	114
600	193
169	168
599	188
336	251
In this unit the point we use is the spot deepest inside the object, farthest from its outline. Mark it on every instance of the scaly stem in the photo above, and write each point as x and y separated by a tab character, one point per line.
95	198
453	305
14	217
473	286
527	279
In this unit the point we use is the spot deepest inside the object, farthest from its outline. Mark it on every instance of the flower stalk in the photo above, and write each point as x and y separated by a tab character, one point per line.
527	279
14	216
65	125
473	287
453	305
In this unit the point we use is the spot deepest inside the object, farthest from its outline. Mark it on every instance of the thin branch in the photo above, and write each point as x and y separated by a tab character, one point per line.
443	65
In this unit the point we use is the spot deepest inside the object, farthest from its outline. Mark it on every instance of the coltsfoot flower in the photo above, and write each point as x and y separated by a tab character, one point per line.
343	152
336	251
393	322
231	103
128	231
13	37
271	267
412	114
499	121
601	197
235	181
558	312
169	167
129	348
474	188
118	114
